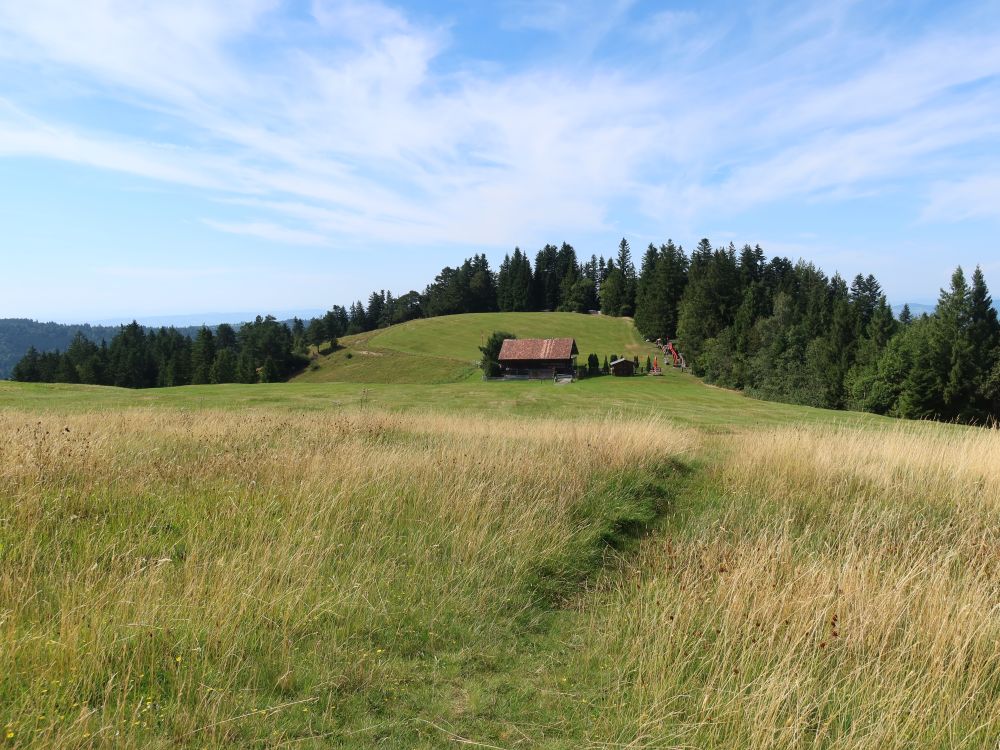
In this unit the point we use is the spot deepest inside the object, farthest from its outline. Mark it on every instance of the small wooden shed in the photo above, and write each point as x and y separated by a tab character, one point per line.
622	367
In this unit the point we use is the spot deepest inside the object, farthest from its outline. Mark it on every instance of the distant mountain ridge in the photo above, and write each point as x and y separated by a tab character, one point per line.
210	319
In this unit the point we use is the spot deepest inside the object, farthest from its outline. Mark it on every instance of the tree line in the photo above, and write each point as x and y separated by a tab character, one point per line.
17	335
260	351
776	329
788	332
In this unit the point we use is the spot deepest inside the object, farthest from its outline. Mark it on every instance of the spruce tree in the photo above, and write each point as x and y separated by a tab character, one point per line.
984	341
27	369
246	372
225	337
546	279
504	301
521	282
202	357
647	319
613	293
905	316
626	267
955	319
224	367
269	372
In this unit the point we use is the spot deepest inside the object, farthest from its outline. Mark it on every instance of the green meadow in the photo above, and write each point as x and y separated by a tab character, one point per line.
446	349
389	552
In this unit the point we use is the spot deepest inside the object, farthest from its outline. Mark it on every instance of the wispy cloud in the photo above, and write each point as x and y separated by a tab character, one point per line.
973	198
666	25
351	120
266	231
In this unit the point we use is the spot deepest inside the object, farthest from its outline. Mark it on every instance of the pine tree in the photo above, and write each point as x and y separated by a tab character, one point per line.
752	265
546	279
269	372
984	341
521	282
613	293
27	369
224	367
662	288
711	299
482	286
315	332
626	267
921	389
865	295
504	300
646	296
333	326
130	362
956	365
202	357
245	370
373	313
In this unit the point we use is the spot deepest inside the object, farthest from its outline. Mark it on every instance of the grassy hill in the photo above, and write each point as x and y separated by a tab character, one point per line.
633	562
446	349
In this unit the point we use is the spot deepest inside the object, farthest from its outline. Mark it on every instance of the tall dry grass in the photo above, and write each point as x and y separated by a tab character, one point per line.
830	588
258	579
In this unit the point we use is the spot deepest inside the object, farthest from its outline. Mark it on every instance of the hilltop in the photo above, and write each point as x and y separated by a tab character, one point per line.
446	349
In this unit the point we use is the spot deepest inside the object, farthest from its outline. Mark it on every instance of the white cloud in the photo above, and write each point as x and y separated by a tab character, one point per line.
972	198
175	50
363	21
354	128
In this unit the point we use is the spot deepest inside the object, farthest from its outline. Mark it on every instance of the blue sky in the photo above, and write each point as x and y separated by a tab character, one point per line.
194	156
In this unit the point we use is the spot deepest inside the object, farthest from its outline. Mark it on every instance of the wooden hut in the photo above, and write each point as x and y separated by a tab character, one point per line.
622	367
537	359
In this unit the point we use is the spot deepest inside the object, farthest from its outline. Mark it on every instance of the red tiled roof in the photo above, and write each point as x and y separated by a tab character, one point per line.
521	349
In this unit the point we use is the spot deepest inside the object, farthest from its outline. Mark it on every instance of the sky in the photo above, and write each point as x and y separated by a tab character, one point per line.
195	156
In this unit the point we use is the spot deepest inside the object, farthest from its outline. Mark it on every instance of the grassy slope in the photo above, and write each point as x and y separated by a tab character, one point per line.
254	579
807	584
676	396
459	336
427	365
446	349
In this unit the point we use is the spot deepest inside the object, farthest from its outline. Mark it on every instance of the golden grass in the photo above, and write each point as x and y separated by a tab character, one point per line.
836	589
354	578
211	578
